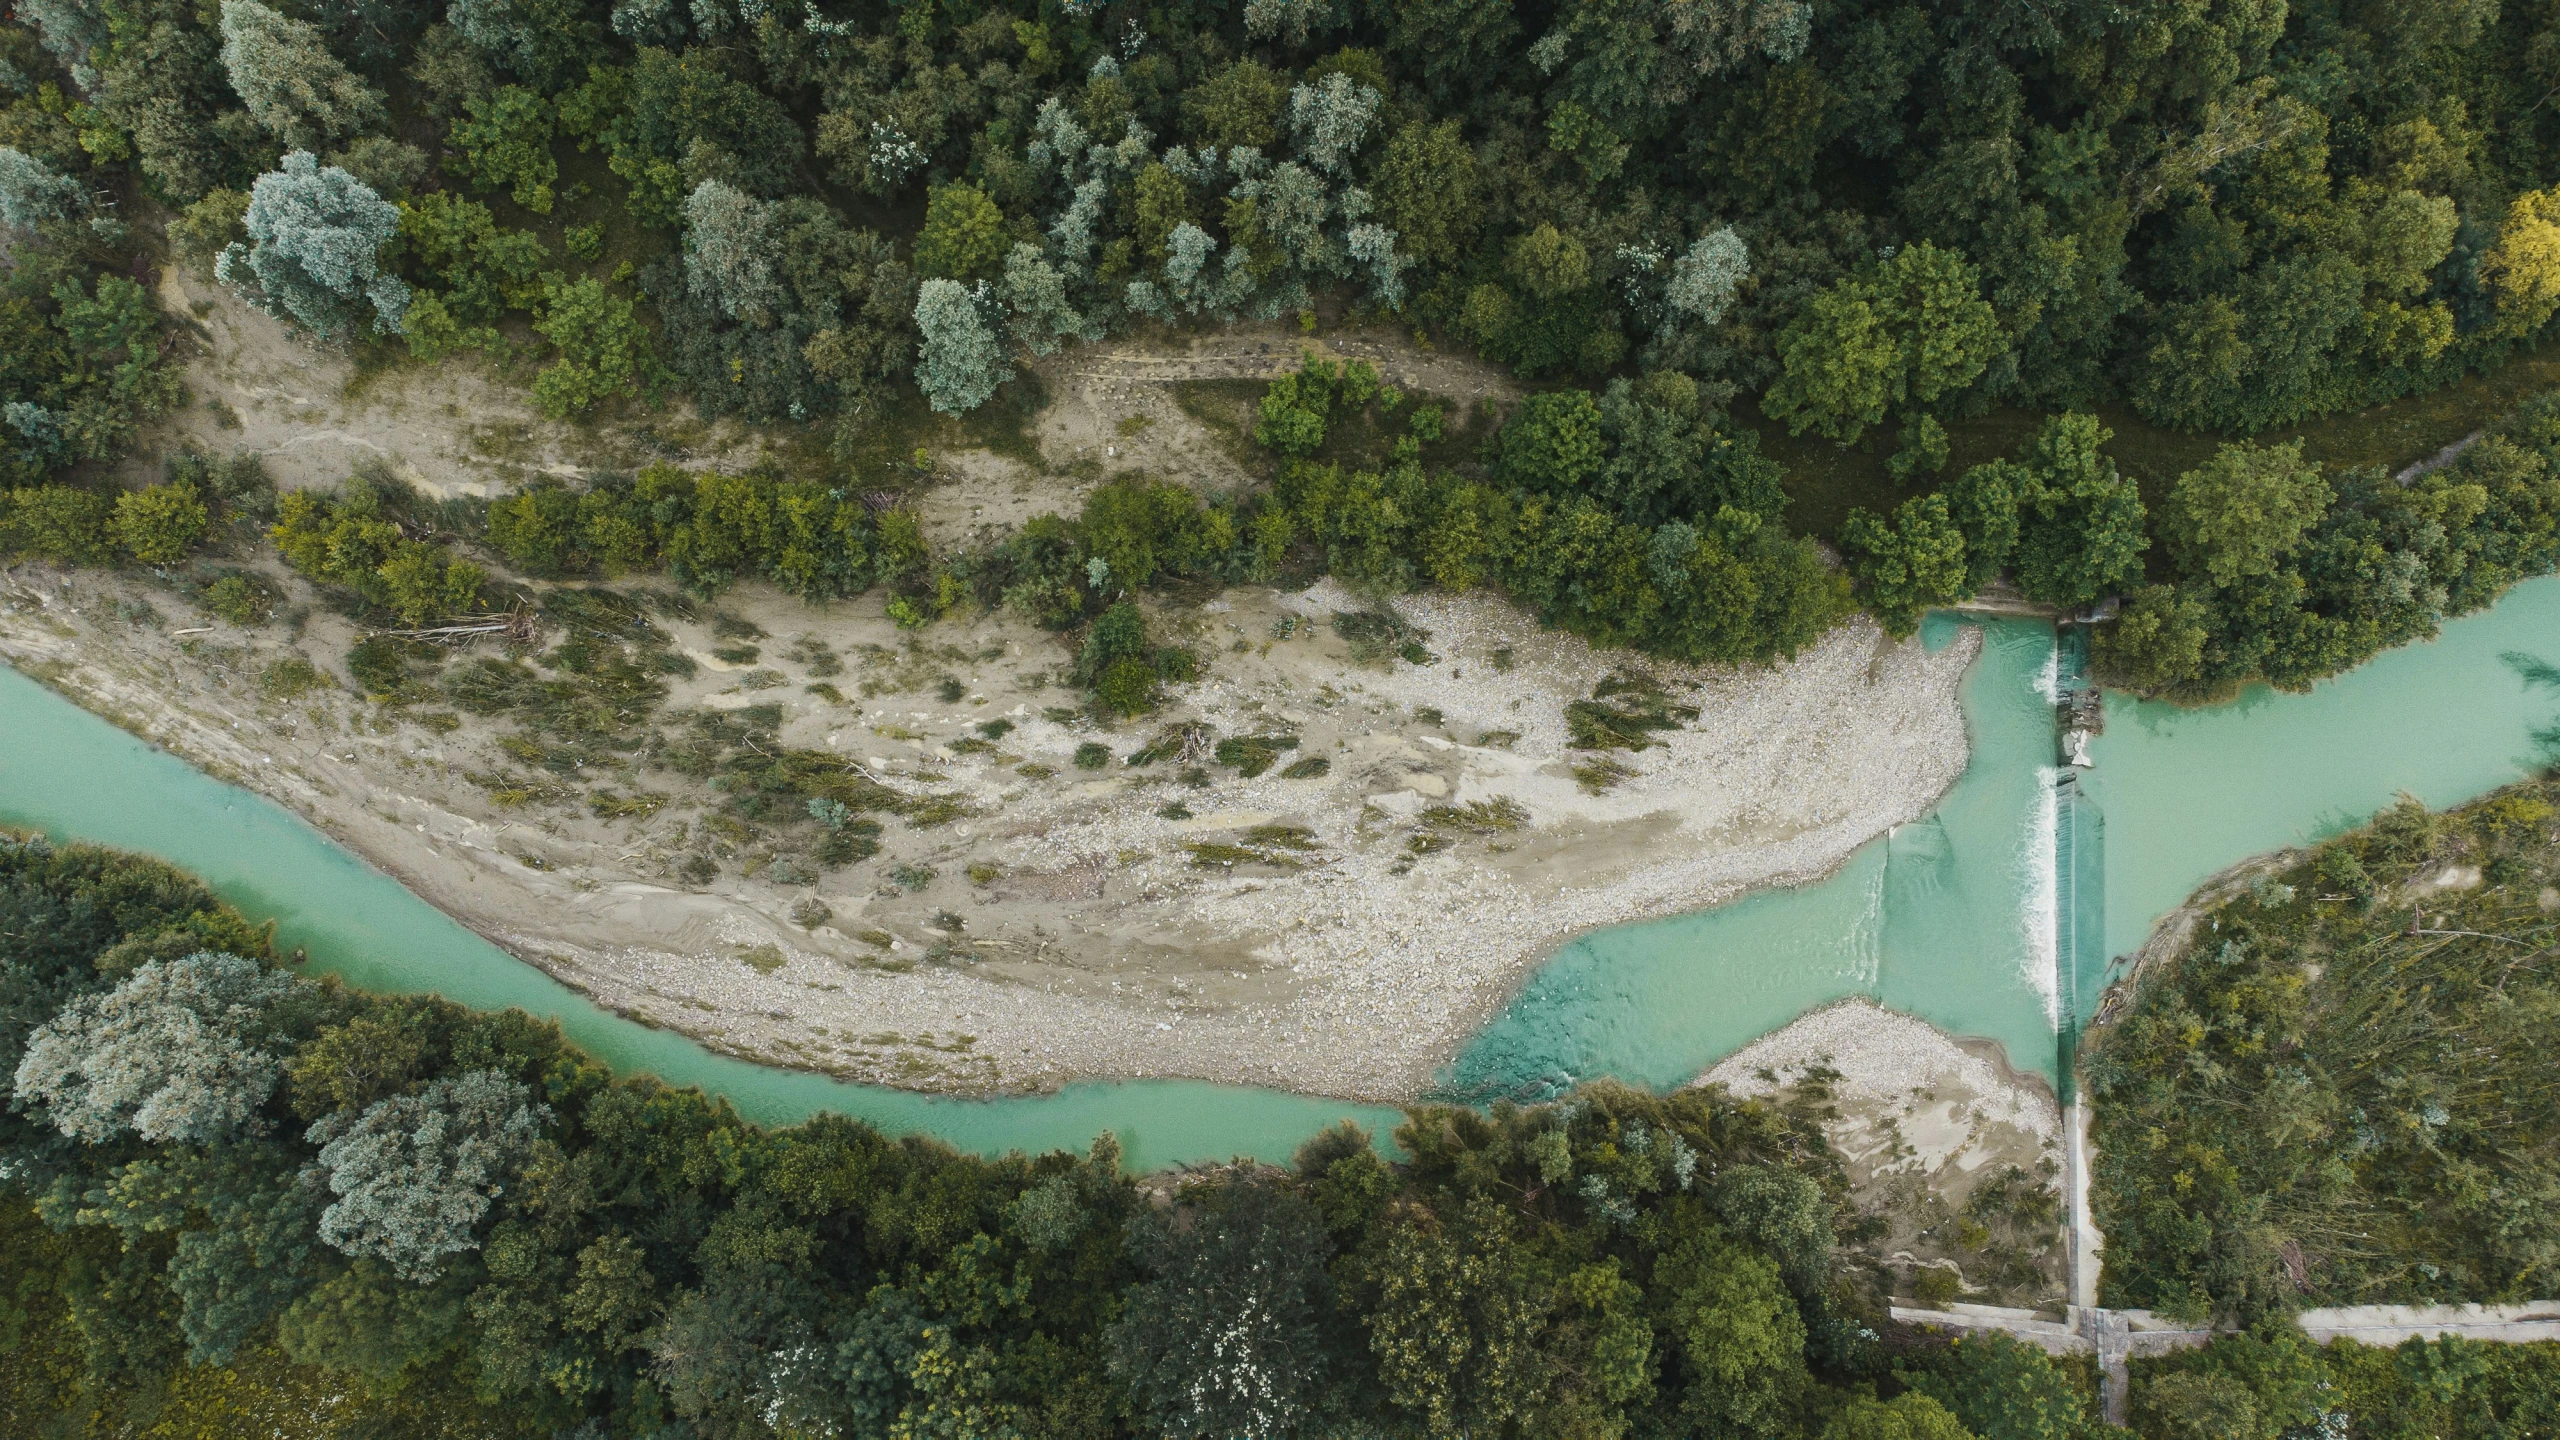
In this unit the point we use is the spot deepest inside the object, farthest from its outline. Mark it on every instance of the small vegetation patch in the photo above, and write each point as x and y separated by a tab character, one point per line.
1375	635
1280	847
814	655
607	805
290	678
1190	741
935	810
1310	768
1623	713
1251	755
1496	816
1092	755
764	959
244	599
1600	775
395	671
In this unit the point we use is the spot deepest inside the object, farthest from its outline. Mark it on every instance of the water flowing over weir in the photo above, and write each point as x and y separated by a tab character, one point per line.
1949	917
2078	919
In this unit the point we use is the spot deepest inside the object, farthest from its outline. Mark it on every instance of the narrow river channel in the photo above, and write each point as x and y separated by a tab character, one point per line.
1995	915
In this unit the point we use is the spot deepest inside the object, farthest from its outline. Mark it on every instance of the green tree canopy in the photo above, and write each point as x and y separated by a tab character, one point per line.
964	235
1908	332
2243	512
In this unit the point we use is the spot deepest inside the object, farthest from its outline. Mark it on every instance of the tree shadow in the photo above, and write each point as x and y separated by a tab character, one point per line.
2538	673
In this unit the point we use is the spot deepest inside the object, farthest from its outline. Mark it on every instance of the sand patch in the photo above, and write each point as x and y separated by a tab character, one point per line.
1953	1150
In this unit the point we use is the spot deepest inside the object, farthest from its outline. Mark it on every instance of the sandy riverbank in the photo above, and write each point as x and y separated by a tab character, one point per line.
1935	1131
1094	945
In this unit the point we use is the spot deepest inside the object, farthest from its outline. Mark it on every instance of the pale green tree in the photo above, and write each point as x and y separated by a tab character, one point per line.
181	1050
1707	276
414	1174
961	362
312	256
729	252
31	193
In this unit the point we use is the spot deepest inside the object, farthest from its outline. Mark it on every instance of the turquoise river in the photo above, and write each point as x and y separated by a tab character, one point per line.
1996	914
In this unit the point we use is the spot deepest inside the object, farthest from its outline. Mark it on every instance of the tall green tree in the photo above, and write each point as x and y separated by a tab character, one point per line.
290	82
2243	512
2080	521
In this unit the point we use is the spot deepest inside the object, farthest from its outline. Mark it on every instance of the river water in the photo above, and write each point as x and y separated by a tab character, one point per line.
1994	915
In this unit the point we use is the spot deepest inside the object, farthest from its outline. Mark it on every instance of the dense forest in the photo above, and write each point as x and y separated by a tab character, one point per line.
2340	1092
2269	1382
1711	215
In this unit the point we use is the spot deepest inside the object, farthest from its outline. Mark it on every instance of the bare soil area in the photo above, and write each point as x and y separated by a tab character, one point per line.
458	428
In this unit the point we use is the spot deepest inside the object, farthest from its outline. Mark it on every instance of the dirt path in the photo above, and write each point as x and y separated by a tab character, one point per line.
456	428
1259	352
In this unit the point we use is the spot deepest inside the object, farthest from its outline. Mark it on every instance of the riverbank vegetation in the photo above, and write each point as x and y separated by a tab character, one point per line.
2270	1381
2336	1092
238	1198
2275	571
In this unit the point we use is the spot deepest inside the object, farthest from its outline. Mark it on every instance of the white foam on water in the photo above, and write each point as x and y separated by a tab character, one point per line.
2039	894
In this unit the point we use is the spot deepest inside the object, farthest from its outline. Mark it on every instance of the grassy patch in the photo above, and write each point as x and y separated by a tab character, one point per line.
1497	816
1600	775
1374	635
290	679
1225	408
1280	847
1251	755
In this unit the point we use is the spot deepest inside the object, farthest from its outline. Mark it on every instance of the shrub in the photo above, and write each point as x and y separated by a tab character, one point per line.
1126	686
159	524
